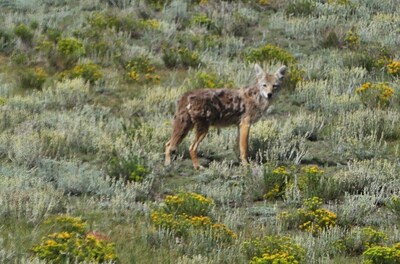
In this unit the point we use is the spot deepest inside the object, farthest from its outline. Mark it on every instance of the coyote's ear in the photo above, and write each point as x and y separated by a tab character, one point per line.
259	71
281	72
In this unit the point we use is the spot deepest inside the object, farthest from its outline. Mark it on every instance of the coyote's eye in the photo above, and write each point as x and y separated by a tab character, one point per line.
275	86
264	85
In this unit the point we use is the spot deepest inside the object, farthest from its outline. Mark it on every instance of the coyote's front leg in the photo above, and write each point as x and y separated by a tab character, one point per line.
244	129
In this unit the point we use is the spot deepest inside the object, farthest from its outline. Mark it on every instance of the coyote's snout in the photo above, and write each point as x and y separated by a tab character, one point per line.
222	107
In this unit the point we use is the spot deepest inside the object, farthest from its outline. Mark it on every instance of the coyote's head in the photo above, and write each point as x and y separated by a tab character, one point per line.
269	83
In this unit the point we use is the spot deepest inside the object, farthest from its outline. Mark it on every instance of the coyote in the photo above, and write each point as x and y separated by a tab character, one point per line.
222	107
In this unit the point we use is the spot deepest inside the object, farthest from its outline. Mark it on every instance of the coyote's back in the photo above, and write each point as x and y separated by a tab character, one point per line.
222	107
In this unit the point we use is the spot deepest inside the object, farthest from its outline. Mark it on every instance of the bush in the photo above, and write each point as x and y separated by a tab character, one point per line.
32	78
69	50
310	218
89	72
206	22
352	39
300	8
357	241
375	95
191	204
141	70
273	249
187	214
72	244
279	180
331	40
276	181
270	53
157	4
173	57
393	68
394	205
6	41
382	255
24	33
211	80
273	53
127	169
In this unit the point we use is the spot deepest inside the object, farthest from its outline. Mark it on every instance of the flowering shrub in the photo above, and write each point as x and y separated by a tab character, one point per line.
382	255
309	180
174	57
358	240
128	169
141	70
270	53
273	53
188	212
352	39
69	50
211	80
310	218
70	47
276	181
375	95
273	249
206	22
90	72
300	8
32	78
72	244
191	204
393	68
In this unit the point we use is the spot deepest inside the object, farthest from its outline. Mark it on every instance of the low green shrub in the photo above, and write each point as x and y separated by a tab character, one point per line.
358	240
188	215
311	217
382	255
141	70
300	8
393	68
127	169
276	181
270	53
6	41
24	33
394	205
375	95
174	57
331	40
206	22
69	51
157	4
211	80
273	249
352	39
309	181
32	78
89	72
70	47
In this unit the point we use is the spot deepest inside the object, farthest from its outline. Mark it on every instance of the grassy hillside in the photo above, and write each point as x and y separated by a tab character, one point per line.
87	97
